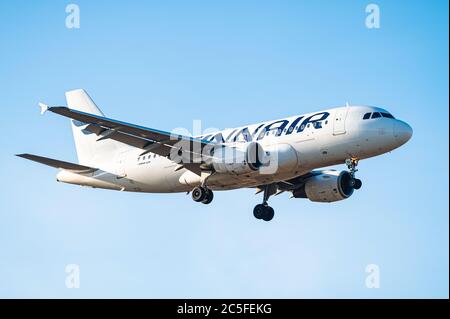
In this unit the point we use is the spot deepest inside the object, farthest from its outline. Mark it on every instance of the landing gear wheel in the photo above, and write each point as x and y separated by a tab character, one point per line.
358	184
263	212
208	196
258	211
268	214
198	194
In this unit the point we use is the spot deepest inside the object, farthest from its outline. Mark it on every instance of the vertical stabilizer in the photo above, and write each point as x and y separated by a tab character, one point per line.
89	151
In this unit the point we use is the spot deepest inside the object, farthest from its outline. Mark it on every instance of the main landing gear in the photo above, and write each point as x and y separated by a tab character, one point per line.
351	164
264	211
202	194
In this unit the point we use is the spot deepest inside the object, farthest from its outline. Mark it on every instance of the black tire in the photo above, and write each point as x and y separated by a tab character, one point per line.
259	211
268	213
208	197
358	184
198	194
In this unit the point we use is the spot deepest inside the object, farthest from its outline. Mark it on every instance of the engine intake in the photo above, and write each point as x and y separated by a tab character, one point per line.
254	155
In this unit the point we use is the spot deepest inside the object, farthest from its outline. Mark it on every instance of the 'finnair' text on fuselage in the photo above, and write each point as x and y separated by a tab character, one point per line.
280	127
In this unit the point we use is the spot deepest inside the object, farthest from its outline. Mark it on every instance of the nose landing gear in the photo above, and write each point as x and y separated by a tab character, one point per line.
351	164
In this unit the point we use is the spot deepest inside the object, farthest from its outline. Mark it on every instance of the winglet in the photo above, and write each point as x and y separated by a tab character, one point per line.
43	107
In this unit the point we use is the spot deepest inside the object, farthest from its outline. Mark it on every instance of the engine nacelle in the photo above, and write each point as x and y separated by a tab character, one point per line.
279	158
329	186
240	159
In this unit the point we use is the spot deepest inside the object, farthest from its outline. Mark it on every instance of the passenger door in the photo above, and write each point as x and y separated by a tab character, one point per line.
339	121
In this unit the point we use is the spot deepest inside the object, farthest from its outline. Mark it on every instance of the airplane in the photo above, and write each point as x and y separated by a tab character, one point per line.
285	155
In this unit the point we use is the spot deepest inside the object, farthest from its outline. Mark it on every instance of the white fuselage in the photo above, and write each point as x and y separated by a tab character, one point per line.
317	140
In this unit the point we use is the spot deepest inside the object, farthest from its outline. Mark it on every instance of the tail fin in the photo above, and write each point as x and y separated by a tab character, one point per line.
81	101
89	150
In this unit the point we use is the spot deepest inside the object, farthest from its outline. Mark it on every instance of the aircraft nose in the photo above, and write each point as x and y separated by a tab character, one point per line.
402	132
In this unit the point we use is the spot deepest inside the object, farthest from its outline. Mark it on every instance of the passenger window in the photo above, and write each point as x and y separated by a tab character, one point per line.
366	116
376	115
389	116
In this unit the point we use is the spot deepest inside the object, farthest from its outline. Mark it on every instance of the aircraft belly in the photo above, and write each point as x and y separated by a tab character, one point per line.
153	177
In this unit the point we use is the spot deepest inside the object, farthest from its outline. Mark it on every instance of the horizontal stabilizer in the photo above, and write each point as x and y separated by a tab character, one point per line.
58	164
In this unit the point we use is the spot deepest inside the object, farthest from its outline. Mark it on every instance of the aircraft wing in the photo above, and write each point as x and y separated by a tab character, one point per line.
147	139
58	164
296	182
287	185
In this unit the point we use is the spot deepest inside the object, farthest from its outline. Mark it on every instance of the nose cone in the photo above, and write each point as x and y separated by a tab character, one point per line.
402	132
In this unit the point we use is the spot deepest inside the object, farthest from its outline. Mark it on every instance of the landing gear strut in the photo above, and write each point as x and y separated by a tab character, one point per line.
264	211
351	164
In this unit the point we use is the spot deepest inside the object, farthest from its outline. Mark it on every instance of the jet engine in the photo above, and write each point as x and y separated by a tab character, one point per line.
239	159
279	158
252	157
328	186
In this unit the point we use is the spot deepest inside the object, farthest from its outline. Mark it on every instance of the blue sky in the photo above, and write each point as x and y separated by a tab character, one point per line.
226	63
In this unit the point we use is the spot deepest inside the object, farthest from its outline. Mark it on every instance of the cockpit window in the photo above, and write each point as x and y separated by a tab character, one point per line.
376	115
389	116
366	116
